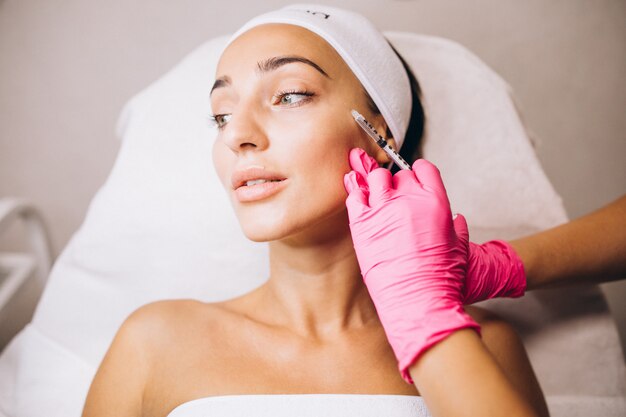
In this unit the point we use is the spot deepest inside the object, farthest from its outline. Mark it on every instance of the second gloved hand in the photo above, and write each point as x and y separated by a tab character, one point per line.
494	270
412	255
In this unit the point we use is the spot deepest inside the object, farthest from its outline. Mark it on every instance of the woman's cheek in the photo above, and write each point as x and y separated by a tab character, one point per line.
220	156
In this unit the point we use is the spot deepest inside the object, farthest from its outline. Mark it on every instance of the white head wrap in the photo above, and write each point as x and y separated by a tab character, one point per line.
364	49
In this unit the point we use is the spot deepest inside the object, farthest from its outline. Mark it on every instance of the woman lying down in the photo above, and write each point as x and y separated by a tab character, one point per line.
364	303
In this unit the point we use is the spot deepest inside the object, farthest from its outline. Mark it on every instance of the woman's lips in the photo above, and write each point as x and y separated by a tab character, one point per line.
247	193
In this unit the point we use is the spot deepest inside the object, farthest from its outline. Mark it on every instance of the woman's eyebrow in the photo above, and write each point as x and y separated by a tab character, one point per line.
271	64
276	62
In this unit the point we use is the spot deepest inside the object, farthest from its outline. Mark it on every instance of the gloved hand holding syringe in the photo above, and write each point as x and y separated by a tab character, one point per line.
416	260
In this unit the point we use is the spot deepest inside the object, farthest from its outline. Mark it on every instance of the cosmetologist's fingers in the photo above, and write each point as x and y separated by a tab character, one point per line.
361	162
380	185
460	227
353	184
350	182
356	203
428	175
405	181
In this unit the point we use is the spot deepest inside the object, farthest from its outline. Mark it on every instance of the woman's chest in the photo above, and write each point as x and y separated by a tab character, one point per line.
236	364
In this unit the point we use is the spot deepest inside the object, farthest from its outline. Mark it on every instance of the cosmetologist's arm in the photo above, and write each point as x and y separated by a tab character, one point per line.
590	249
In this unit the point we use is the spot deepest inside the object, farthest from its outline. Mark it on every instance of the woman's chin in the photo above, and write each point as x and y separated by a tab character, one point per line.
302	221
264	231
273	229
311	231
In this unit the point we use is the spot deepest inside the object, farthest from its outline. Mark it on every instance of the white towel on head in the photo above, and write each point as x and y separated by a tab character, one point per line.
364	49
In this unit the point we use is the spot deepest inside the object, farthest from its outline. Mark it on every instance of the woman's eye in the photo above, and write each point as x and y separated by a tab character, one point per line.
286	98
219	120
292	97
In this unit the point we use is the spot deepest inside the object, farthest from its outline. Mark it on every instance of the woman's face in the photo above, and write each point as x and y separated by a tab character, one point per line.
286	122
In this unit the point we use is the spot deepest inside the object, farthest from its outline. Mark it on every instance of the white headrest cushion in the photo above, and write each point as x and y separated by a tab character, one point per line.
162	227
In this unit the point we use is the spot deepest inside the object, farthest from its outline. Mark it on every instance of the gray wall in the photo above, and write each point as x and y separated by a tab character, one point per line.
68	66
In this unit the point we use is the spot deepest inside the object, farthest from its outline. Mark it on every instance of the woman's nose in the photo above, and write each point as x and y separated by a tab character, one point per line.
244	132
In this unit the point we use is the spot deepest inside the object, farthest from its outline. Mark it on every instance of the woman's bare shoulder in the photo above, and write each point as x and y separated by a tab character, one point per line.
163	310
158	319
507	348
153	329
499	336
153	337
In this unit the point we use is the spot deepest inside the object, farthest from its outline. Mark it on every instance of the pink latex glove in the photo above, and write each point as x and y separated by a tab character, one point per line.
494	268
412	255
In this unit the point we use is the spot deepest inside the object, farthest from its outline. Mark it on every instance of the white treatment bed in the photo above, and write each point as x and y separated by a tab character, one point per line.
162	228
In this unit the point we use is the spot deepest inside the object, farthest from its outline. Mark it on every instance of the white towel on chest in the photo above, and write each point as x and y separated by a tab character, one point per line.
304	405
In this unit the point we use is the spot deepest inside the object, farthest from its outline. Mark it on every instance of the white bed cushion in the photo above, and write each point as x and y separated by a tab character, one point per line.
161	227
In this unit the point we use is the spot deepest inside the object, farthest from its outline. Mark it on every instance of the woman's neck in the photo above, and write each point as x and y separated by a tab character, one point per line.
315	287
